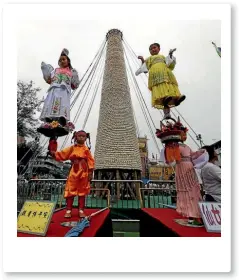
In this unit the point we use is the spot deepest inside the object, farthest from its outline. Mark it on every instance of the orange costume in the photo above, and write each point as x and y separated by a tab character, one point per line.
78	183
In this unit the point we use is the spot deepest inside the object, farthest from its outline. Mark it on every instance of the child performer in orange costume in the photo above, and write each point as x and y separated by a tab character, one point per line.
78	182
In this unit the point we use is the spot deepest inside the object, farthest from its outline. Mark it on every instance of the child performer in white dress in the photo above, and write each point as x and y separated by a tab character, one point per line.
61	80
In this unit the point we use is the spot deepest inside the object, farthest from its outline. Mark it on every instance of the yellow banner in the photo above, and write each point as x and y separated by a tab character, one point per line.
155	173
159	172
35	217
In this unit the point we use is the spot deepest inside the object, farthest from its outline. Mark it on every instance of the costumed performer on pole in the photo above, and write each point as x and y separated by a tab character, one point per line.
187	185
78	182
162	82
61	80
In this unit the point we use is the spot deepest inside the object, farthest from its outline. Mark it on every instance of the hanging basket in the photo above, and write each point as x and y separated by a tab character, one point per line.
170	132
55	129
170	135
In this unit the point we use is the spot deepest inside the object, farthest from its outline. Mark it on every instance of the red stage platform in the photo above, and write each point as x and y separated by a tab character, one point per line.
160	222
100	225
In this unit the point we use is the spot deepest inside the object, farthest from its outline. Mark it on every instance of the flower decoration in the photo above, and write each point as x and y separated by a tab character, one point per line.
171	131
46	125
70	126
54	124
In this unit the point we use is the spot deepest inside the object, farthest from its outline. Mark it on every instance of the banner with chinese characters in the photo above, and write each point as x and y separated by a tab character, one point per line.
160	173
211	215
35	217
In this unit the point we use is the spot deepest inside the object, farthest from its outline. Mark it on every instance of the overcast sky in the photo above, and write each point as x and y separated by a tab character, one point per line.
197	71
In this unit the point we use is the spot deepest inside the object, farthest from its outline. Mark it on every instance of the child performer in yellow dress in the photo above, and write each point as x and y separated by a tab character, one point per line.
78	182
162	82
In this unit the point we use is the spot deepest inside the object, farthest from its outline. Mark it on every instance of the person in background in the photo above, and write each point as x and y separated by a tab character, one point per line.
211	176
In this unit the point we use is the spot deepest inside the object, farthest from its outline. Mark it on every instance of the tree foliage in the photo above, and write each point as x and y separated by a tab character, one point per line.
27	106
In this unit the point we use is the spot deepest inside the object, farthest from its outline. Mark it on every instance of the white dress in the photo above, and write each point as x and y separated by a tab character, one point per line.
57	102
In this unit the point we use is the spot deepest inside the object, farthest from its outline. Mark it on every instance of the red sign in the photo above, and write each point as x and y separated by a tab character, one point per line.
211	215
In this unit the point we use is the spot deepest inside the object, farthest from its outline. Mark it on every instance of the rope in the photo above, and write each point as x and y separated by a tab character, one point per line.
187	132
101	46
93	71
34	156
85	94
30	149
186	122
146	118
87	91
94	94
93	68
136	123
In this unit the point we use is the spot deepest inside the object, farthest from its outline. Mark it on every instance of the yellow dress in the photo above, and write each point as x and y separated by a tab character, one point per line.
162	82
77	183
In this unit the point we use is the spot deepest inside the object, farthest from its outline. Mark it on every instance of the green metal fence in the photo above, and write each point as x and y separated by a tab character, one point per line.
159	194
155	194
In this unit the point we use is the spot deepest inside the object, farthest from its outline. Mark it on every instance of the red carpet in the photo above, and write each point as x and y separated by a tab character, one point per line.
56	230
166	217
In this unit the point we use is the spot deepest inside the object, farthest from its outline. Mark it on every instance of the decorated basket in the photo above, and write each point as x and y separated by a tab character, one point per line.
55	129
170	131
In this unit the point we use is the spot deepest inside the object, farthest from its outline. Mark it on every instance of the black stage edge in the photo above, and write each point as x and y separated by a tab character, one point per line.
125	214
49	132
150	227
106	230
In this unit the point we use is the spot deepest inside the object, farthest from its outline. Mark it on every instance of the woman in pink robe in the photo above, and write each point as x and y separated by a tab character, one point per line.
187	185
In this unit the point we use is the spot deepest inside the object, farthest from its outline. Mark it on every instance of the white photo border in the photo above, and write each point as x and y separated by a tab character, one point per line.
110	254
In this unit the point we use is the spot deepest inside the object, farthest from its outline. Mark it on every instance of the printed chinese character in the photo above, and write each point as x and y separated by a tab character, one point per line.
216	214
208	215
24	213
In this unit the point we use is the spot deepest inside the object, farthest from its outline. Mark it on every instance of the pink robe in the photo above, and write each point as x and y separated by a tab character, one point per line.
187	185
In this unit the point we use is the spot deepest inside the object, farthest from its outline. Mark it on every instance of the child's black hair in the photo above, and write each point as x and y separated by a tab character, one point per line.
210	151
68	59
156	44
87	137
